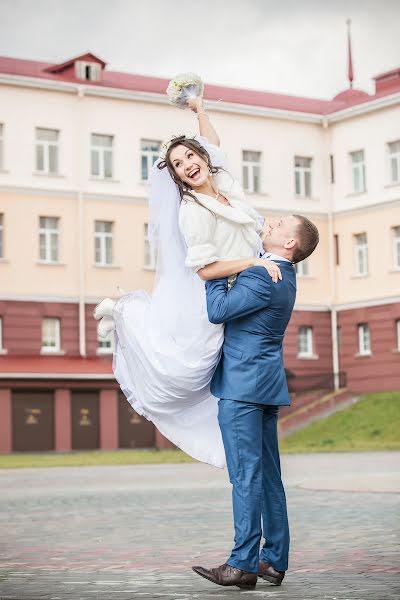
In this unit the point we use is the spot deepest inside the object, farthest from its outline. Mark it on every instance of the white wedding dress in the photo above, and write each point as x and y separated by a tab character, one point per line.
166	349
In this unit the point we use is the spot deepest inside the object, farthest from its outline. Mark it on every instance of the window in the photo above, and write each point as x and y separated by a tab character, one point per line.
361	252
50	335
46	151
106	346
305	342
48	239
303	268
1	147
87	71
336	248
103	242
1	236
396	247
394	162
364	340
251	171
150	256
302	175
150	151
102	156
358	171
398	334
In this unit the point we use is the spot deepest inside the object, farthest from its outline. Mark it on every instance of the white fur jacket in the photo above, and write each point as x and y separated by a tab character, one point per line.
214	231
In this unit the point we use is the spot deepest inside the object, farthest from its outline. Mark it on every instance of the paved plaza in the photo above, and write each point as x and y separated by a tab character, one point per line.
133	532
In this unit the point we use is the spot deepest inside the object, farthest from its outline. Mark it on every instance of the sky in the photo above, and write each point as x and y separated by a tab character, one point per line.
296	47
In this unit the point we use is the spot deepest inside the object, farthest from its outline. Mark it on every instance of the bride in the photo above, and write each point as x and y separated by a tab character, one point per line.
166	349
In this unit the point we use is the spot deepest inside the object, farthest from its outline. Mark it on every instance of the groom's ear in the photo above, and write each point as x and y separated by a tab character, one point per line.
290	244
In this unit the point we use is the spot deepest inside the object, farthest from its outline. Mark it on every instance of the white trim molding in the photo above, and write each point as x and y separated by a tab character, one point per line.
368	303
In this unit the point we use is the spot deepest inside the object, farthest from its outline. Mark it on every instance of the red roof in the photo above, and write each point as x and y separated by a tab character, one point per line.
56	365
158	85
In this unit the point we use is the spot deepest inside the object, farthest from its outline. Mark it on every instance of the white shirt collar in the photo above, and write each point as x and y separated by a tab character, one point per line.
272	256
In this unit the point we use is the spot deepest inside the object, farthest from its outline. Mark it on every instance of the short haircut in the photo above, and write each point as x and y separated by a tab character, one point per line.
308	238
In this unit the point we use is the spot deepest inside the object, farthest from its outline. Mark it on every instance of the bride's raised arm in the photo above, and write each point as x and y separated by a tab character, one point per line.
205	127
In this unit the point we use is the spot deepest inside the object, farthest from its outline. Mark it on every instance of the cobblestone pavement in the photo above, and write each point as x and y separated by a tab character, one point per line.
133	532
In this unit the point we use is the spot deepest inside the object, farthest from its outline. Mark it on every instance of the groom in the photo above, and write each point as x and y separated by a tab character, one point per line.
250	380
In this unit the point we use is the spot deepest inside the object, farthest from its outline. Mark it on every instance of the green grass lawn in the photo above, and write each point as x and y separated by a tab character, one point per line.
91	457
371	424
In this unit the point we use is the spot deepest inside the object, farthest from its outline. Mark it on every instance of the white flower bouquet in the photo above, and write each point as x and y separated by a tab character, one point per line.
184	86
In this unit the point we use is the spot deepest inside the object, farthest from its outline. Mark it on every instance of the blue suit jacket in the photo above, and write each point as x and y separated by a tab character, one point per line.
256	312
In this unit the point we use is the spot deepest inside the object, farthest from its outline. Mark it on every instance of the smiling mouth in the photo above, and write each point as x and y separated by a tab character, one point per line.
194	174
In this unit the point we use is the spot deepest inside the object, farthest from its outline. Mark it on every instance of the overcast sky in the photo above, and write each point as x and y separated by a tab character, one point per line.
292	46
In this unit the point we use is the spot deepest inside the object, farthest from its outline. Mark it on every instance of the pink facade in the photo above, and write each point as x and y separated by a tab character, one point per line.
64	396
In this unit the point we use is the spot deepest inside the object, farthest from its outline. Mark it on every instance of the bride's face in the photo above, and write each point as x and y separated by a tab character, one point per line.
189	166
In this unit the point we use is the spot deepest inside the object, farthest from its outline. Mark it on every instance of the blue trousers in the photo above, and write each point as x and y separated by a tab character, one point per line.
250	436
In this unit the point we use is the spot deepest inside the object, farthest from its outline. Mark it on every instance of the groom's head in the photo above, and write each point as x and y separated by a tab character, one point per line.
294	237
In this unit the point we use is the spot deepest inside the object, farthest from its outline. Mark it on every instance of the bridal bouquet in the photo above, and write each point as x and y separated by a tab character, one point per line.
184	86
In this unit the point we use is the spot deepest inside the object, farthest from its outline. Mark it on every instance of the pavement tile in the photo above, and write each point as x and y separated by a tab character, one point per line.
134	531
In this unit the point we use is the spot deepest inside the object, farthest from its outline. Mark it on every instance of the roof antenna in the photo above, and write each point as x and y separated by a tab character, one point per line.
350	66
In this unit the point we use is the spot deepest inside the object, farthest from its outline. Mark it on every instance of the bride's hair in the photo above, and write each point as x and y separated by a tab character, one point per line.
183	187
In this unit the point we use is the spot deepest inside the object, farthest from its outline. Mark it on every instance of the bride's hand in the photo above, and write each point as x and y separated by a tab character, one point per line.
272	268
195	104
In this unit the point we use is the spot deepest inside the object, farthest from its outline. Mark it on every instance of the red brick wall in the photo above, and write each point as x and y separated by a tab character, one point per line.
22	326
321	324
381	370
91	330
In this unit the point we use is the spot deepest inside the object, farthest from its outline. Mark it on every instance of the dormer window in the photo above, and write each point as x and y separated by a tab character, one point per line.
87	71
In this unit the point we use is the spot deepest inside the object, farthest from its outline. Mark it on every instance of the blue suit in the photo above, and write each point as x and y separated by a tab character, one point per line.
251	384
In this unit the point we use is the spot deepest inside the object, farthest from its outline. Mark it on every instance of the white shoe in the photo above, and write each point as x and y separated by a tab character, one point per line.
106	326
104	309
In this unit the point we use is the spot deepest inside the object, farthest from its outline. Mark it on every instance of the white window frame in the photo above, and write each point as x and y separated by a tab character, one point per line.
1	235
361	255
250	168
300	175
303	268
100	150
149	252
46	146
94	70
396	248
149	156
393	159
101	240
358	172
308	352
107	345
57	336
1	146
364	340
48	234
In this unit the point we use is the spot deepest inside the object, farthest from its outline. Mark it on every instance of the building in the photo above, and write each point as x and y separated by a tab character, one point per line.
77	142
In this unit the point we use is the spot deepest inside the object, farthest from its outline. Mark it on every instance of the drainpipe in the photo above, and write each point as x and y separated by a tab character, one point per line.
332	271
81	229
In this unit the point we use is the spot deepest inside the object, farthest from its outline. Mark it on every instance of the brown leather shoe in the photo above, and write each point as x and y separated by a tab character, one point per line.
269	574
227	575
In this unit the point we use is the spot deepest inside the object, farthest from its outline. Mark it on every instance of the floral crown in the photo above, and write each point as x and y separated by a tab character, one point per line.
175	140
